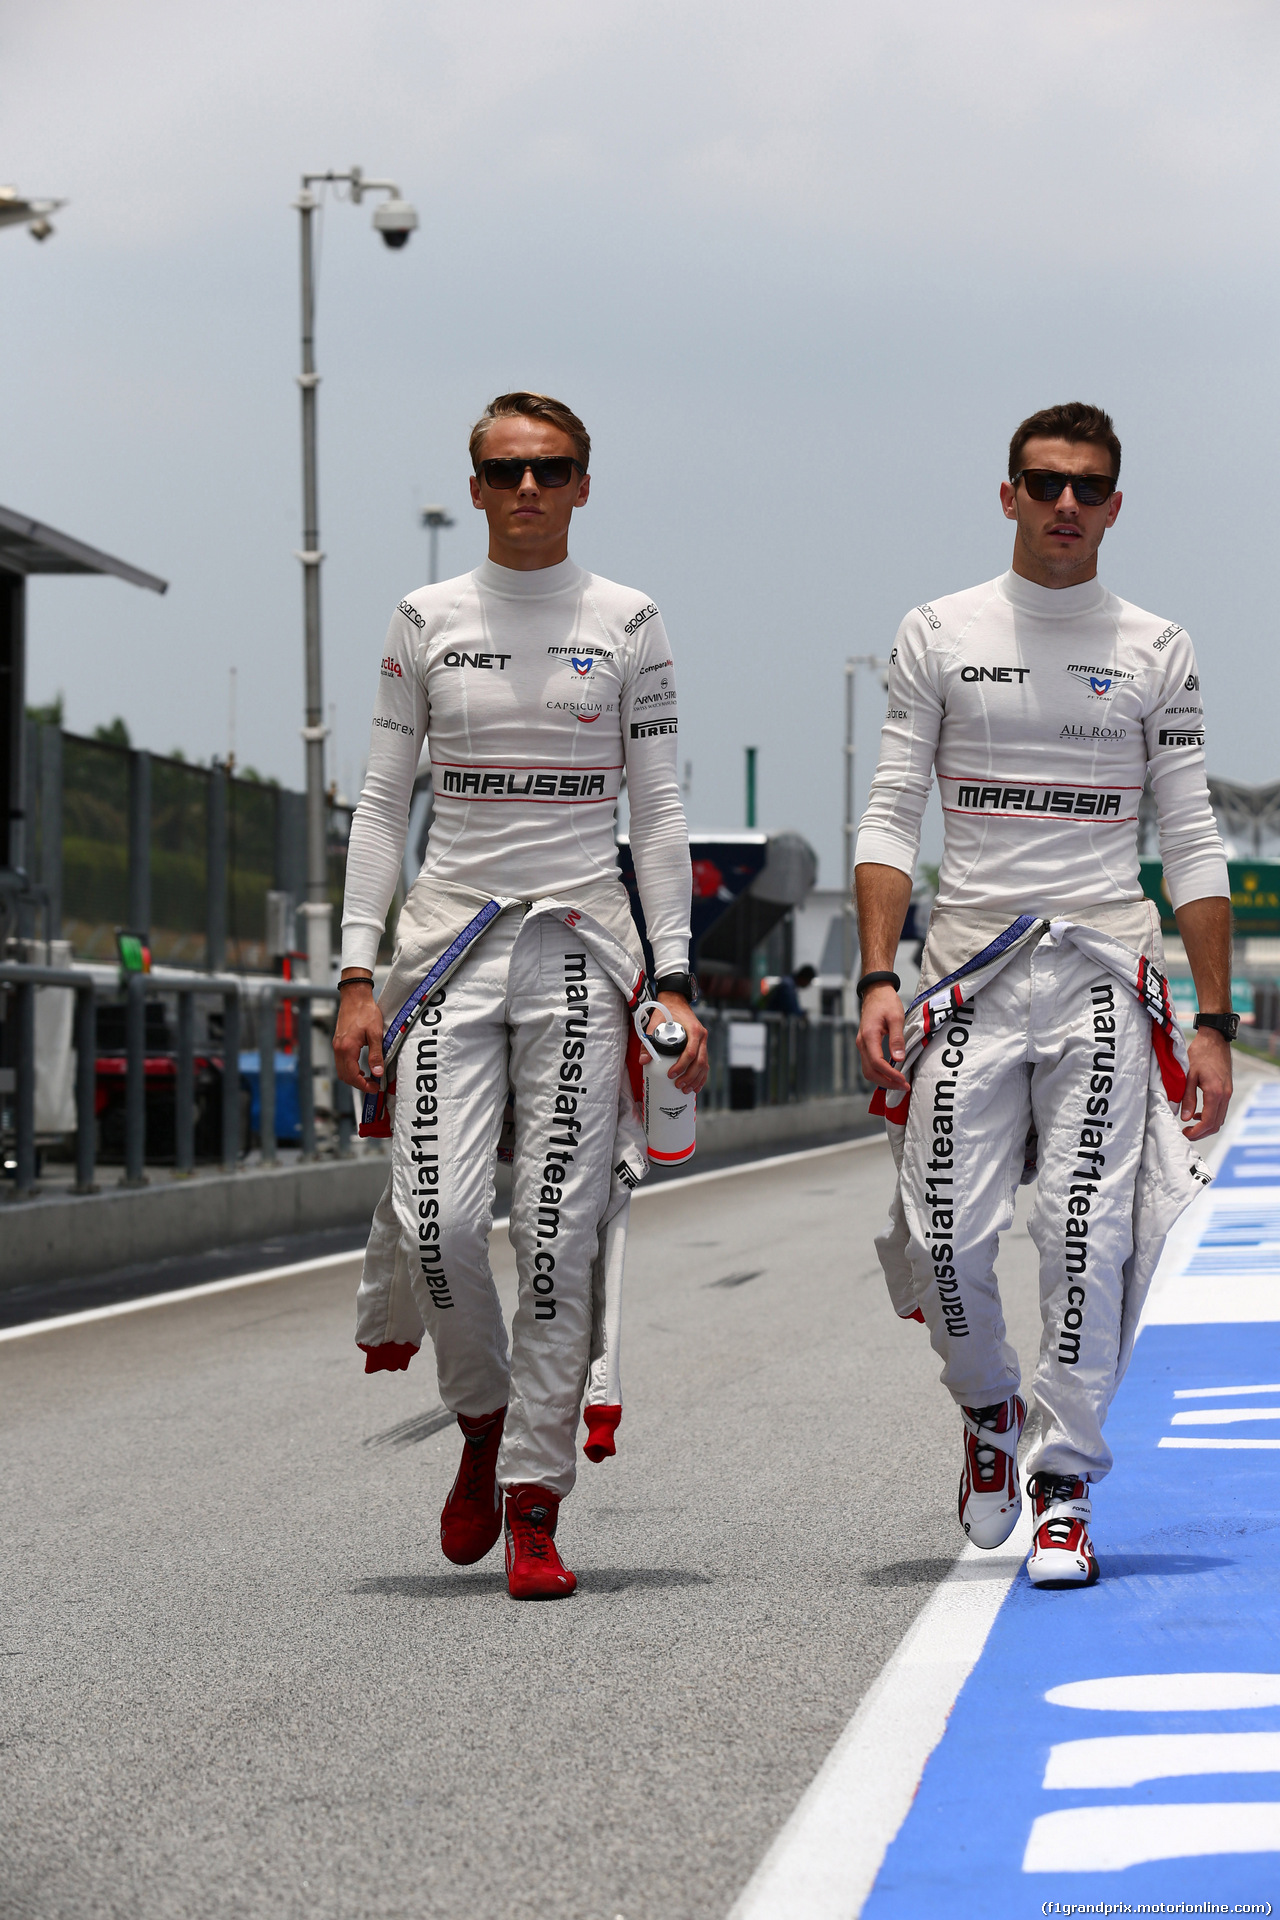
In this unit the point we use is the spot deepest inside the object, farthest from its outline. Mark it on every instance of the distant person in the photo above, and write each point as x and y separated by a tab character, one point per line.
1043	1030
784	995
536	687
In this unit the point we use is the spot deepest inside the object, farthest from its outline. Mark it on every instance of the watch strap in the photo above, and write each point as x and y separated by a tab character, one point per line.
1227	1024
682	983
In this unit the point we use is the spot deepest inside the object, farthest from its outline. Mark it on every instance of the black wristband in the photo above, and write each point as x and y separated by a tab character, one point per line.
356	980
682	983
869	980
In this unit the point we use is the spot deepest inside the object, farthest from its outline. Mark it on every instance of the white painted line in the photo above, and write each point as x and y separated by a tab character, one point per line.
90	1314
1109	1839
176	1298
1169	1693
824	1863
1204	1445
1212	1393
1127	1759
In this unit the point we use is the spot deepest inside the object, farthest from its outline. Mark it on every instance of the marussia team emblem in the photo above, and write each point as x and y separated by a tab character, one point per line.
1100	686
581	664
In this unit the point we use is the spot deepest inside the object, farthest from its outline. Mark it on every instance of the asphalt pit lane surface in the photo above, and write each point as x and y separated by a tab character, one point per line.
409	1432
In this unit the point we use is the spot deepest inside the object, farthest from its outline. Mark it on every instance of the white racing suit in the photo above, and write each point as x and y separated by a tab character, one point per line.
1048	1047
529	1001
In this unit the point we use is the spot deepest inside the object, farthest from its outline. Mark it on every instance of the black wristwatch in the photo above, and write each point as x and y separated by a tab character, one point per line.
685	984
1227	1024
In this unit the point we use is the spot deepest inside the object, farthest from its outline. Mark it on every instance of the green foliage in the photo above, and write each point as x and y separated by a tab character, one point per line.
116	734
50	716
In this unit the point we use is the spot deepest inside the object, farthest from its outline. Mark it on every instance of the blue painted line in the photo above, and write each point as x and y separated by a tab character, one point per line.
1188	1536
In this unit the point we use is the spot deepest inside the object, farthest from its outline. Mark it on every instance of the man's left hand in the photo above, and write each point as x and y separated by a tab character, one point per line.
690	1071
1209	1072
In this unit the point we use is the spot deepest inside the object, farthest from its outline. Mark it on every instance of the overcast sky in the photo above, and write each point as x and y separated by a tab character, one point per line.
801	270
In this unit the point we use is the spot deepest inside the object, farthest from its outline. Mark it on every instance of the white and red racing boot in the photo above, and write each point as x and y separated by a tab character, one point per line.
471	1518
1061	1551
990	1498
534	1568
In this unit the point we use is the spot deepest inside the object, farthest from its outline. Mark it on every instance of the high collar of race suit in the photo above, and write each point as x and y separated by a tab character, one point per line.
540	584
1051	603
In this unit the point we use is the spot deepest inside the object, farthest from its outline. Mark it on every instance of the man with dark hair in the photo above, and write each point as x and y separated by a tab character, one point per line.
1043	1037
535	686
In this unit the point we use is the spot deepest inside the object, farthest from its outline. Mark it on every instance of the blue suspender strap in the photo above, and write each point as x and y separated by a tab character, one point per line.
397	1027
1001	944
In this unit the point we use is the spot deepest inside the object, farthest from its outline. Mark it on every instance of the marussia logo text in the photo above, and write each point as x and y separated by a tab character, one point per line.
1047	800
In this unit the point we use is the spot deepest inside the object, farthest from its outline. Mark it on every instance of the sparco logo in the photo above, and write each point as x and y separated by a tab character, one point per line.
645	729
930	616
410	613
1047	800
1161	642
646	613
1182	736
491	662
1001	674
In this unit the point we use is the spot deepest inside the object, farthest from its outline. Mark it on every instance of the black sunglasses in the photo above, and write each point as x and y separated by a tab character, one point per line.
1090	489
505	475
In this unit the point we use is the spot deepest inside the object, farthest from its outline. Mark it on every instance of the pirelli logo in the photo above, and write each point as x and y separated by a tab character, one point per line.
645	729
1182	736
541	785
1059	802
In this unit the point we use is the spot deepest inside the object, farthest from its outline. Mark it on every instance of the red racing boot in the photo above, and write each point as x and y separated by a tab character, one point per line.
534	1568
471	1518
1061	1551
990	1498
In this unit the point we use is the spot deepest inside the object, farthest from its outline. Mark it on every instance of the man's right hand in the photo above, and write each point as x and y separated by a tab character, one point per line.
882	1019
359	1025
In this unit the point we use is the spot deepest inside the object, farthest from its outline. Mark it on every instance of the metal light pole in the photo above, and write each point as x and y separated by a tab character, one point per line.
395	220
751	786
850	824
433	518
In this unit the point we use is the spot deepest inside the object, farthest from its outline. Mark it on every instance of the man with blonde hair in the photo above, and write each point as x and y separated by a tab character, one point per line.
537	687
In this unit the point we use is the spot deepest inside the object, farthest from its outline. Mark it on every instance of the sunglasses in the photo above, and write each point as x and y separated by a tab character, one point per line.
1090	489
505	475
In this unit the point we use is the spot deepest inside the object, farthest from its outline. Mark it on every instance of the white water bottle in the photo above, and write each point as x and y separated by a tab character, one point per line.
669	1115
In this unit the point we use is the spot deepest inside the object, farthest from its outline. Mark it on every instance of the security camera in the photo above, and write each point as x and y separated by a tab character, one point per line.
395	220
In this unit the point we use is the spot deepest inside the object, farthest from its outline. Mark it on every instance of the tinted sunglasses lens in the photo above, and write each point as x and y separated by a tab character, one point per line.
503	475
552	473
1041	485
1091	489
